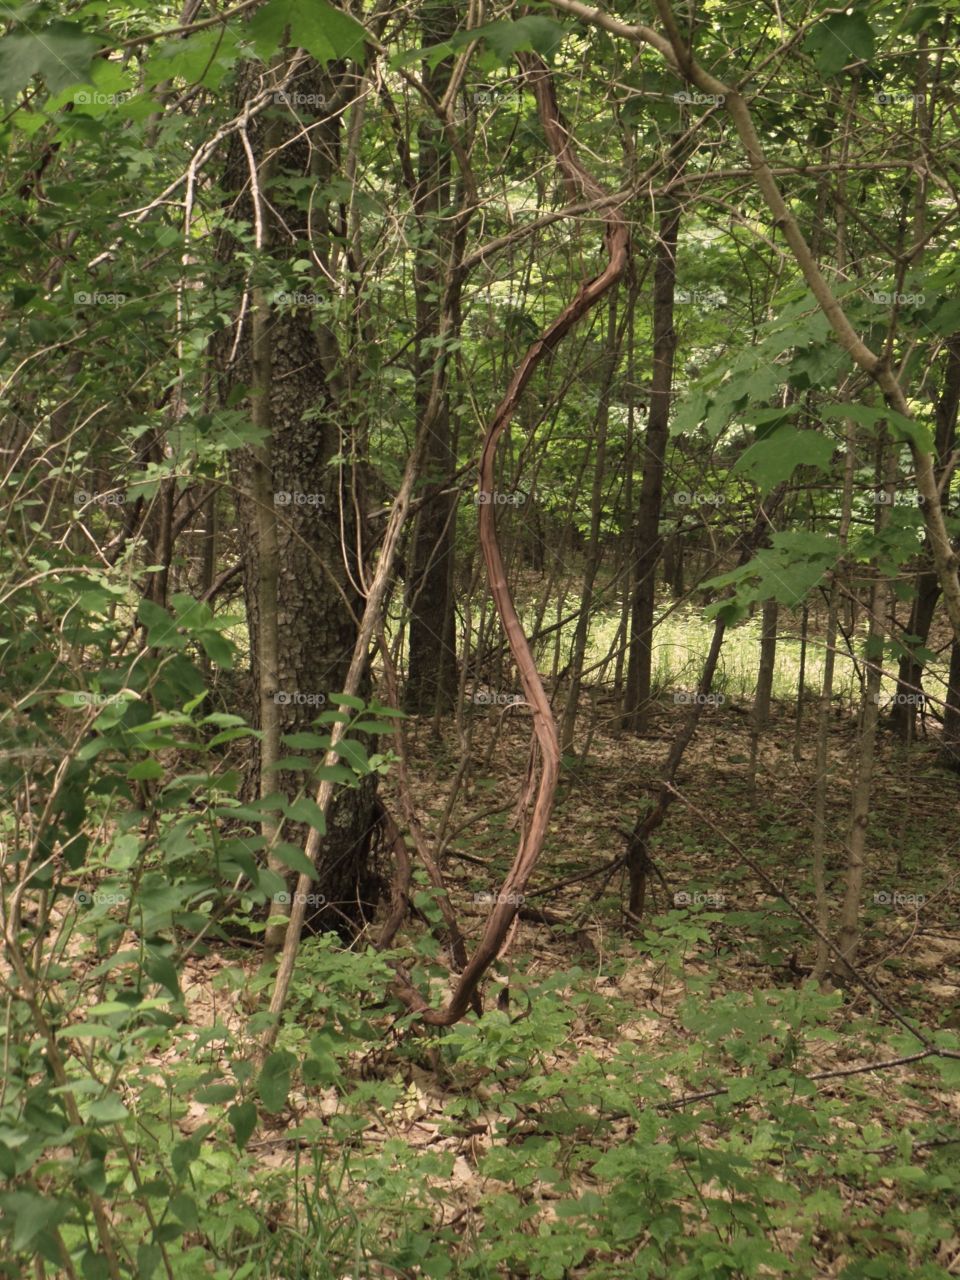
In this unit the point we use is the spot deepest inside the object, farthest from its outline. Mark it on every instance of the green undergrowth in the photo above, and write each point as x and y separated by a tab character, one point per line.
547	1139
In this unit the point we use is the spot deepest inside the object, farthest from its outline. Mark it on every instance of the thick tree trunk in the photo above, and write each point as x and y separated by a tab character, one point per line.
313	498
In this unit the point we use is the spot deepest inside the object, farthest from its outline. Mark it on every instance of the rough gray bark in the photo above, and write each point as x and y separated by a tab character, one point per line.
317	596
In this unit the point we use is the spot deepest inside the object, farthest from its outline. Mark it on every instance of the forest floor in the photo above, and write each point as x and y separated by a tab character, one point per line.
521	1145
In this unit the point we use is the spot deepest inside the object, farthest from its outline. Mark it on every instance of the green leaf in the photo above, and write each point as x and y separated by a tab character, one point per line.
108	1110
31	1214
163	971
503	41
304	741
777	456
60	53
161	626
145	770
218	649
354	754
532	33
786	571
334	773
204	57
839	40
303	809
231	735
946	319
274	1082
900	427
215	1094
347	700
373	726
327	34
243	1121
87	1030
292	856
320	1068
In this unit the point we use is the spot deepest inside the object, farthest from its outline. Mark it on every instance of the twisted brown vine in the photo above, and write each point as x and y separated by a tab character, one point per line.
582	184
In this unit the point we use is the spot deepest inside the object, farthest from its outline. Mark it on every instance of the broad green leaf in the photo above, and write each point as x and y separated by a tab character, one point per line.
328	34
304	741
274	1081
502	40
31	1214
60	53
946	319
292	856
839	40
303	809
354	754
108	1110
243	1121
900	427
163	971
777	456
218	649
786	571
88	1030
334	773
347	700
161	626
534	33
215	1094
145	770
